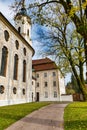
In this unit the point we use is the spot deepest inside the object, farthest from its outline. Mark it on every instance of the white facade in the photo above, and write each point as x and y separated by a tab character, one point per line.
23	88
49	85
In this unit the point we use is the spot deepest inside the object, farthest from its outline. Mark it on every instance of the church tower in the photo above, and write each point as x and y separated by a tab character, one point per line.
23	23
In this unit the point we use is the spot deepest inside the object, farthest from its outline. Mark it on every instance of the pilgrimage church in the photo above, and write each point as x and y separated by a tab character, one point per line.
15	60
18	84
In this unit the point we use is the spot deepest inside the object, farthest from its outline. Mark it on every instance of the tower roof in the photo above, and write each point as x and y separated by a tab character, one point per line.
23	11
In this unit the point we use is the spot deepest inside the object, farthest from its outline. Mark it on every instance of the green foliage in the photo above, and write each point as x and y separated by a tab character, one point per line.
69	89
85	82
64	19
75	116
10	114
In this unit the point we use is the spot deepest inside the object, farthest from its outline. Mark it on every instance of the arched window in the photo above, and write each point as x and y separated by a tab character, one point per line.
4	61
19	29
24	71
28	32
15	76
6	35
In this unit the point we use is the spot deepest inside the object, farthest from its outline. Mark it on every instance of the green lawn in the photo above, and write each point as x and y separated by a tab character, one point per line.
10	114
75	116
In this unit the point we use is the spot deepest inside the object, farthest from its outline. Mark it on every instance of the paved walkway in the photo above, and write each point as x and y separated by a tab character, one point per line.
46	118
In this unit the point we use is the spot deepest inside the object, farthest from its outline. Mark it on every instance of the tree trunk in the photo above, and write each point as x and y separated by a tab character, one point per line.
80	80
81	84
85	47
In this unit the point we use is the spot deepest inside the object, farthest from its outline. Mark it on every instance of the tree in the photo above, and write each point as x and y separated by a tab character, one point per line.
71	49
69	89
68	48
74	84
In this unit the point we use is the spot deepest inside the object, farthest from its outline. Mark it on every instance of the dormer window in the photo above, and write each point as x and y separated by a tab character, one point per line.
19	29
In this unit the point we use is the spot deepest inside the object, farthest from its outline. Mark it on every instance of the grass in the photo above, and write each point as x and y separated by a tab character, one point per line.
10	114
75	116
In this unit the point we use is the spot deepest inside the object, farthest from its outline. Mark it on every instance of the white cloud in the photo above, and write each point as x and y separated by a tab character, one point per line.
5	10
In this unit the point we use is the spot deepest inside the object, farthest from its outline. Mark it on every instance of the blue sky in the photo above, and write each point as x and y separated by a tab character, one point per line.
7	12
4	8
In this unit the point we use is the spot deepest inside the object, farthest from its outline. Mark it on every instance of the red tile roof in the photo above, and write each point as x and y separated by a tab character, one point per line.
43	64
41	61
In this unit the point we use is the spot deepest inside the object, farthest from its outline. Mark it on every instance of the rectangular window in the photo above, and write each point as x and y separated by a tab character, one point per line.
45	84
46	94
54	74
45	74
37	75
37	84
54	83
55	94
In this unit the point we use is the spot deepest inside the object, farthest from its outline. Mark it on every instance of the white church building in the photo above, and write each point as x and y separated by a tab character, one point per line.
15	60
17	84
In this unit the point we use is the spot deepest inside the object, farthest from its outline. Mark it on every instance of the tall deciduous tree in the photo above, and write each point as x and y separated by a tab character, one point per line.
60	16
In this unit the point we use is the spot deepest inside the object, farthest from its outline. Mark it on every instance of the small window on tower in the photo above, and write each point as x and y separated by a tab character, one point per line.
19	29
28	32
